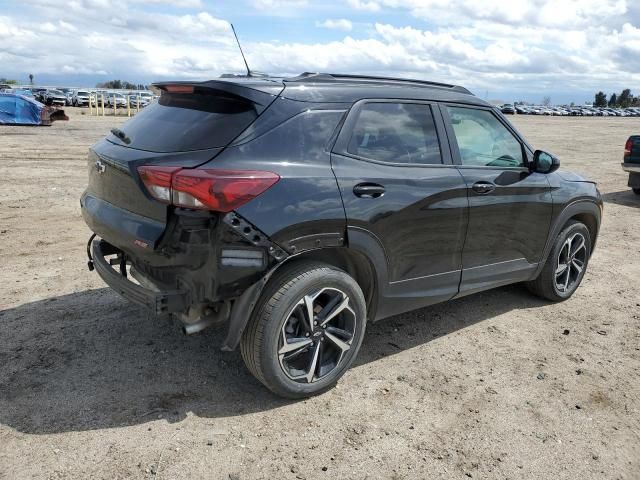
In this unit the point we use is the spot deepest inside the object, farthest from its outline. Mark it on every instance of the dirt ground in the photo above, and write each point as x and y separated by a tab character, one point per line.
496	385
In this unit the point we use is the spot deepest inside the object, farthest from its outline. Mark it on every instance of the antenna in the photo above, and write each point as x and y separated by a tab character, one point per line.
241	52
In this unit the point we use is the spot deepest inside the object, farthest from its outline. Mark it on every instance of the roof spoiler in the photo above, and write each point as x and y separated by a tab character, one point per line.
261	94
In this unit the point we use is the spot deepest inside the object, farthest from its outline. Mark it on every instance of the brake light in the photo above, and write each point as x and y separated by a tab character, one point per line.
178	88
206	189
627	147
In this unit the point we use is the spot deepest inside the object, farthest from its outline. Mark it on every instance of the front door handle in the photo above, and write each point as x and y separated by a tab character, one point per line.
483	187
368	190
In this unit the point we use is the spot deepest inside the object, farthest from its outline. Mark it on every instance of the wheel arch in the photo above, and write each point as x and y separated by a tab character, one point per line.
356	264
364	259
584	211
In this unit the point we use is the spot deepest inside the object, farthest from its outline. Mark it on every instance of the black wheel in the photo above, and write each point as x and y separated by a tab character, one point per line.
306	330
566	265
636	191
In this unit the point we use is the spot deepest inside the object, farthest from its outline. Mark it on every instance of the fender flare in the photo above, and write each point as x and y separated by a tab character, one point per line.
578	207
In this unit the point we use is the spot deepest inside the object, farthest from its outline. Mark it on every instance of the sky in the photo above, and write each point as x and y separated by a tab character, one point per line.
500	49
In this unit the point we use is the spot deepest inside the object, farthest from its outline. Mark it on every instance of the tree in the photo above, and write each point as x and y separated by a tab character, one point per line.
31	79
546	101
8	82
624	100
601	99
613	100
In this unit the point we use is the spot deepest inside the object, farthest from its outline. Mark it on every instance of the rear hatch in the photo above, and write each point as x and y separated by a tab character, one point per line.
189	125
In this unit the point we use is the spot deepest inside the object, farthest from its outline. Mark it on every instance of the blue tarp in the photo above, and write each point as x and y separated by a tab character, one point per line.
19	110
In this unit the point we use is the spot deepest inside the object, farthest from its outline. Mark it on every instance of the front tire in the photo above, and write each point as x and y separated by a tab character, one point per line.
566	264
636	191
306	330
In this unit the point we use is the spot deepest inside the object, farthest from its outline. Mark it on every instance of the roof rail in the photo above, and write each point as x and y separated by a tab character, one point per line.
337	77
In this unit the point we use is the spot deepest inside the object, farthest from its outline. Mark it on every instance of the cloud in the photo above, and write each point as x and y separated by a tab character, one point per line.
278	4
367	5
521	45
337	24
173	3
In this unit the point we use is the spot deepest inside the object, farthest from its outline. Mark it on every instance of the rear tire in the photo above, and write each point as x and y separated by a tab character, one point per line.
636	191
566	264
306	329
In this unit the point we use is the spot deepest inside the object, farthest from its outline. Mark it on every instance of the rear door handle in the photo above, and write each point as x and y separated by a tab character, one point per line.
483	187
368	190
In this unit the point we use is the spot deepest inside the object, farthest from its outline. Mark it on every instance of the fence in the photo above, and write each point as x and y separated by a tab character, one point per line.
98	104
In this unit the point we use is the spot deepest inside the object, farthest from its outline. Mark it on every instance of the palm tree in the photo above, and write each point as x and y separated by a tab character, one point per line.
31	78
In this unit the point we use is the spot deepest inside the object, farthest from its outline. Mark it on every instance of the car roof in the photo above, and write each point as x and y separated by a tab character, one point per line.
341	88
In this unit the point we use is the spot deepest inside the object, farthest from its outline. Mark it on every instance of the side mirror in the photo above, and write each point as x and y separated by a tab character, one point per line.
544	162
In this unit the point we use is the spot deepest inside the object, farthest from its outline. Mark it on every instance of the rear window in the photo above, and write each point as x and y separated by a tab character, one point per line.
181	122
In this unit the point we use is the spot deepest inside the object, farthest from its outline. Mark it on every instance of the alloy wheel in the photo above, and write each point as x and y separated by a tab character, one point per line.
316	335
571	262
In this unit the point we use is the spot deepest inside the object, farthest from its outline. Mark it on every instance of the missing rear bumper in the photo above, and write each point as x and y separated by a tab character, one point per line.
157	302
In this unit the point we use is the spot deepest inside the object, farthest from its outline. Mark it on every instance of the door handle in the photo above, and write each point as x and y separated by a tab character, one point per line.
368	190
483	187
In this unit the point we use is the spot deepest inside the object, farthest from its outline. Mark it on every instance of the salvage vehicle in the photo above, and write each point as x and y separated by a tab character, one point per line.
631	162
294	211
16	109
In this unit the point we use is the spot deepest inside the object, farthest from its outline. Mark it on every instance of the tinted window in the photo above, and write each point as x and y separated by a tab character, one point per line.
182	122
483	140
395	132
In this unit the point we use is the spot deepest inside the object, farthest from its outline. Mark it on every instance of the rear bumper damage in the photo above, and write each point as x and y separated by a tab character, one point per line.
156	302
203	269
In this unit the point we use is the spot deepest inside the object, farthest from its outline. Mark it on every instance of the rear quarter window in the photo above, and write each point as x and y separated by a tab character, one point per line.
182	122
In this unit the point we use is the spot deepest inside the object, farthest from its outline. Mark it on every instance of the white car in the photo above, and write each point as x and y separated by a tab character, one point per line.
138	98
115	99
80	98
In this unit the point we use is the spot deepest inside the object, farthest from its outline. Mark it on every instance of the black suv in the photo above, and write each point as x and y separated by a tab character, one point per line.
295	210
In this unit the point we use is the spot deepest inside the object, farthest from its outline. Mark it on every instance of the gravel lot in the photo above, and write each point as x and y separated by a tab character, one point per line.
496	385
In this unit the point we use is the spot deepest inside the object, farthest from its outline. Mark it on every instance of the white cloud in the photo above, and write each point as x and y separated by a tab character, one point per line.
367	5
278	4
581	45
336	24
173	3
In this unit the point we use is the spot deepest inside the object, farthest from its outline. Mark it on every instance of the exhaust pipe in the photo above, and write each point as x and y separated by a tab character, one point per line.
200	318
191	328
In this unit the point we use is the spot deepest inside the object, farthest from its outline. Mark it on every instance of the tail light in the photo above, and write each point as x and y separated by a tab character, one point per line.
627	147
205	189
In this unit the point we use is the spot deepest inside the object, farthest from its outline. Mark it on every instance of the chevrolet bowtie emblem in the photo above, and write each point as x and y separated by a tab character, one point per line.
100	167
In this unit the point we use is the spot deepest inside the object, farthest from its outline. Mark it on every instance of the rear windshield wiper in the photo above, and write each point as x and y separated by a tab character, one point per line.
121	135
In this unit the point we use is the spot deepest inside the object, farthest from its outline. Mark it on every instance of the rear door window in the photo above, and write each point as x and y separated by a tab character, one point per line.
180	122
395	133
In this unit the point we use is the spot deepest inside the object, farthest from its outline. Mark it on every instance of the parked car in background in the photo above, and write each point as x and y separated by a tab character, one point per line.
80	98
139	99
68	93
631	162
38	93
55	97
20	91
115	99
188	200
508	109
